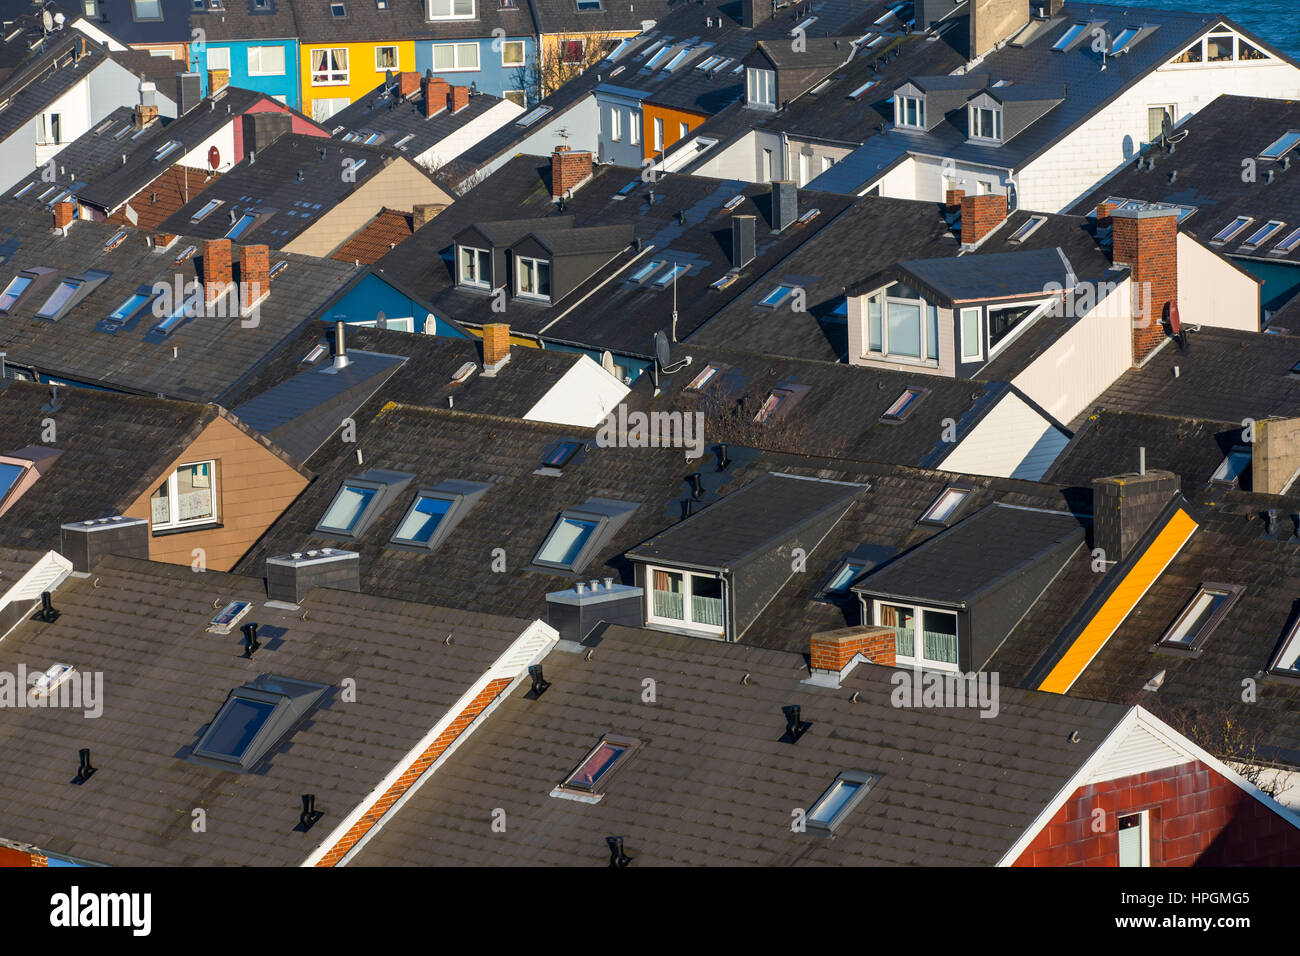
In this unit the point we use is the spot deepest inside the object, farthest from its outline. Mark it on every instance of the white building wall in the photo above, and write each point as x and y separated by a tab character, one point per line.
582	397
1096	150
1086	360
1011	441
1214	292
581	121
736	161
477	129
223	139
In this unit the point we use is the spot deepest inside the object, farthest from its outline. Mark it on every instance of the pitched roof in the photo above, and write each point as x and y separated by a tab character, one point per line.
996	275
376	238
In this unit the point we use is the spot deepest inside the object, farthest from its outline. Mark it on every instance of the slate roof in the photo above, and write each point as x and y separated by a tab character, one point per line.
382	111
376	238
1077	70
269	189
976	554
141	625
623	314
713	785
750	521
199	360
1207	158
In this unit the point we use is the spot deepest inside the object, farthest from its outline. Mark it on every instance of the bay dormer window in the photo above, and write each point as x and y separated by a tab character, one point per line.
909	112
902	325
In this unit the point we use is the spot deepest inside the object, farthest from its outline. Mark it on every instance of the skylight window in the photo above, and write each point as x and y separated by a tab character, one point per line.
130	307
347	508
778	295
529	118
10	472
241	226
904	405
843	576
207	208
338	10
1028	229
592	775
14	290
1123	39
677	60
24	190
172	321
404	140
670	275
1289	243
646	270
945	506
861	91
835	805
253	719
1069	36
561	454
1198	620
1232	467
1232	228
1282	145
116	240
706	377
1288	659
166	150
1263	234
578	533
58	299
436	512
360	500
663	51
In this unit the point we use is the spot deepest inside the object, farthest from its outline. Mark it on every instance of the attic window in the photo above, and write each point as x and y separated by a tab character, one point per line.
849	570
436	512
945	506
670	275
1232	467
528	119
166	149
1198	620
254	718
11	470
117	239
734	201
904	405
25	189
1124	38
909	112
680	599
1282	145
774	298
360	500
986	123
1287	661
706	377
14	291
1263	234
769	407
1028	229
862	90
338	10
834	806
1232	228
241	226
59	299
1069	36
137	301
561	454
202	213
578	533
1289	243
646	270
592	775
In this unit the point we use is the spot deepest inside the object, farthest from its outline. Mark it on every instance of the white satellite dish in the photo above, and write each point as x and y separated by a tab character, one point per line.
47	21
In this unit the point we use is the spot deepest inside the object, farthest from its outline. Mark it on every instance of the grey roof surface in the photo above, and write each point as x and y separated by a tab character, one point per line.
996	275
713	785
1077	70
988	547
117	18
753	520
382	111
142	626
45	76
199	360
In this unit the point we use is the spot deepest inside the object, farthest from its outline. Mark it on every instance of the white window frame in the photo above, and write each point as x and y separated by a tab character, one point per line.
974	124
1170	108
223	51
330	76
460	267
260	71
899	357
321	104
1144	833
397	58
687	622
918	638
963	316
615	124
455	56
519	286
451	13
173	500
1026	322
523	53
633	128
682	130
900	112
659	133
760	87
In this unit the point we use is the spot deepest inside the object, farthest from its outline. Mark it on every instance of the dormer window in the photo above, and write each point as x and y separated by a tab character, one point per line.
532	277
923	637
986	123
187	497
760	87
900	324
685	600
909	112
475	267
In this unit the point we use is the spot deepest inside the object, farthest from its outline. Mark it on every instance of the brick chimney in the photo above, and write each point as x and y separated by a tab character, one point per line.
459	98
407	83
832	653
570	168
1146	241
953	198
1124	506
435	95
980	215
496	347
254	273
216	269
64	213
1104	209
144	115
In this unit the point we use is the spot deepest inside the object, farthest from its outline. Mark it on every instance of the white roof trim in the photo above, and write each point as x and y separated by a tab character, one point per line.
46	574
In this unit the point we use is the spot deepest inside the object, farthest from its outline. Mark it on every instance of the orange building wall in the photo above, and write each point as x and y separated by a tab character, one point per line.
254	486
672	118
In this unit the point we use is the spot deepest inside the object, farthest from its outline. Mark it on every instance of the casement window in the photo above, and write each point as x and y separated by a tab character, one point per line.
835	805
475	267
985	124
532	277
451	9
685	599
971	333
925	637
634	128
1200	617
1135	839
325	107
218	58
187	497
455	56
512	53
329	67
50	130
573	52
386	59
1156	120
902	325
760	87
265	61
909	112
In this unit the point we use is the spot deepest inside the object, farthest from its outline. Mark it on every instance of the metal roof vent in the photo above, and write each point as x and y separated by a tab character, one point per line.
251	643
617	858
341	359
540	683
84	770
794	727
309	815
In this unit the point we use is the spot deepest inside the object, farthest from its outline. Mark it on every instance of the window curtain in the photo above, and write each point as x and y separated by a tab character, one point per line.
668	596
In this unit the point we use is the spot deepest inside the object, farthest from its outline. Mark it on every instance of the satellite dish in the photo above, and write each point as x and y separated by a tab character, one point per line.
47	21
1167	126
607	363
661	349
214	158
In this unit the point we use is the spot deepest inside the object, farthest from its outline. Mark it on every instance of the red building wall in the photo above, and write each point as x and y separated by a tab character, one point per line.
1197	817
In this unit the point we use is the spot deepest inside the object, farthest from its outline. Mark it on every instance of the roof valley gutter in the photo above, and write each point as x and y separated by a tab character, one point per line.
611	278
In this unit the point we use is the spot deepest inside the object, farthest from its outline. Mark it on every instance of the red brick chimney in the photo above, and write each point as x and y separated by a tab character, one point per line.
435	94
496	346
832	651
254	273
980	215
64	213
1146	241
569	169
216	269
1104	209
407	83
953	198
459	98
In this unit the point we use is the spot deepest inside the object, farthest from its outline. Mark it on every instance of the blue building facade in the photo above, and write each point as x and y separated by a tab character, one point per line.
497	66
267	66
